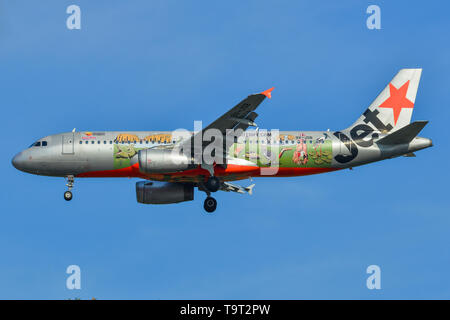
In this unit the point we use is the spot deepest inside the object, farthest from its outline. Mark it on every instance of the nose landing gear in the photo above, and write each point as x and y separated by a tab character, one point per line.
68	194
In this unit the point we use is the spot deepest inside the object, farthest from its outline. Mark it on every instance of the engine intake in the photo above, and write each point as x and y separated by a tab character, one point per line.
163	192
162	161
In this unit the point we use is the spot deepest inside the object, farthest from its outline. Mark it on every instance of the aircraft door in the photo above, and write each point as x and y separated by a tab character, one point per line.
67	143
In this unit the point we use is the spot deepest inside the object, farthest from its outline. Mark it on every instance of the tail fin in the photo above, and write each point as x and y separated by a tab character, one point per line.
393	107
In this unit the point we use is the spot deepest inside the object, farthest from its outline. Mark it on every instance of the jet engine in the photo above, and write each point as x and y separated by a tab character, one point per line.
162	161
163	192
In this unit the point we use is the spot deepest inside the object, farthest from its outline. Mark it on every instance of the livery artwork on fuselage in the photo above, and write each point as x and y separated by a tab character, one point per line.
383	131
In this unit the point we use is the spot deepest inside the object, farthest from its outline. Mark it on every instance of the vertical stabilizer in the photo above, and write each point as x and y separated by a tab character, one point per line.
395	104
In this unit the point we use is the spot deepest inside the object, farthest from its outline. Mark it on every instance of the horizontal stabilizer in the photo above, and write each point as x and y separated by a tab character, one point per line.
403	135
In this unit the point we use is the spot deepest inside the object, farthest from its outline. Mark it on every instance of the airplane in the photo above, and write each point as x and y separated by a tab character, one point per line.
170	166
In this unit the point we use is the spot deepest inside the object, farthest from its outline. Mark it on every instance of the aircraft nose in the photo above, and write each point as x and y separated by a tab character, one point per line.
18	161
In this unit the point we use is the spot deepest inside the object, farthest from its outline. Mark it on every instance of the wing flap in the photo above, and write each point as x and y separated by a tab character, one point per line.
227	186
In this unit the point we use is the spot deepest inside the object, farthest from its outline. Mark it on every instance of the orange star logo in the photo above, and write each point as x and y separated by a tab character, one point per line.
397	100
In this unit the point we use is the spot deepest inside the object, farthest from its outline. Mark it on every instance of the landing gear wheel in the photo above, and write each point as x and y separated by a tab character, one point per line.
67	195
213	184
69	184
210	204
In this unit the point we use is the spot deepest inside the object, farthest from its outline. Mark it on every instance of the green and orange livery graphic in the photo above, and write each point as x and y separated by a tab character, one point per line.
292	152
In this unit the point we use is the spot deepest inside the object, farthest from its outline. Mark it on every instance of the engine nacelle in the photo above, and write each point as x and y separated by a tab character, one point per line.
163	192
162	161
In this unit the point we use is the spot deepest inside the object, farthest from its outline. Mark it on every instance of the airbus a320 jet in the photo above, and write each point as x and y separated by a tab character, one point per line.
170	174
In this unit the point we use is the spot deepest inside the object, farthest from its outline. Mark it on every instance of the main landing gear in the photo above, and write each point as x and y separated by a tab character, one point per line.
210	204
68	194
211	185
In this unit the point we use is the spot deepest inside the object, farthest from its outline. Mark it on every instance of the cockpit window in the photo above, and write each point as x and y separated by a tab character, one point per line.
38	144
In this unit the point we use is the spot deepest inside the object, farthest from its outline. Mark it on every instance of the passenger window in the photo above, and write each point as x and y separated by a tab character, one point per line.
87	142
98	142
81	142
104	142
110	142
92	142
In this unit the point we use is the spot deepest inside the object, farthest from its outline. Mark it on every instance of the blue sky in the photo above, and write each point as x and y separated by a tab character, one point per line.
160	65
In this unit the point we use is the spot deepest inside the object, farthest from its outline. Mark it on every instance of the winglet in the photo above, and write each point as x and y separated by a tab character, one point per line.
268	93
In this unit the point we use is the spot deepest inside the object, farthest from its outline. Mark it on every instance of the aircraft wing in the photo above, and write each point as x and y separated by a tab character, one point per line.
240	116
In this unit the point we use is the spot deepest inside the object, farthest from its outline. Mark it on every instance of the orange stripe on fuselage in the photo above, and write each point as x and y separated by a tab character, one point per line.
131	171
237	171
295	172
